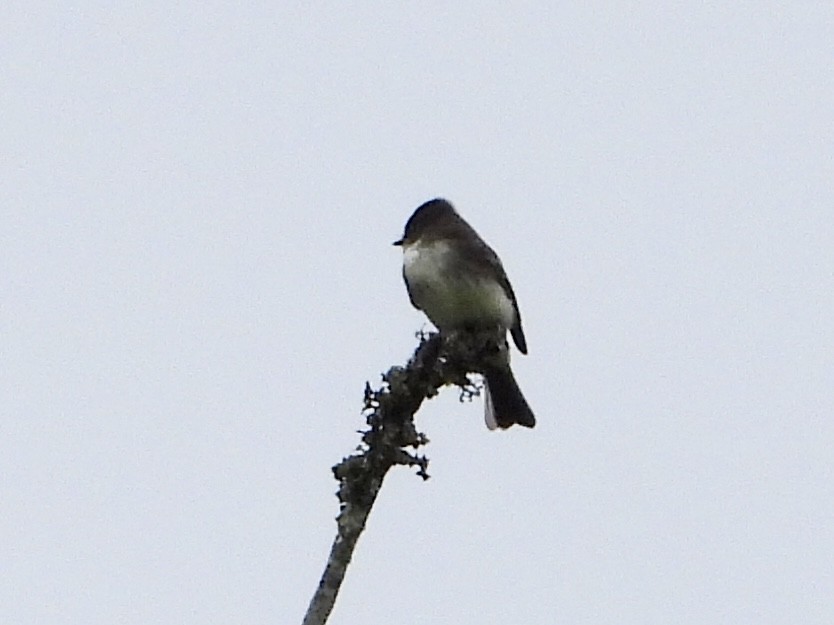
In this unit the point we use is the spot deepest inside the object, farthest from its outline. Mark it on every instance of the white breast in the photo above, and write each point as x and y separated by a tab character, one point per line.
448	297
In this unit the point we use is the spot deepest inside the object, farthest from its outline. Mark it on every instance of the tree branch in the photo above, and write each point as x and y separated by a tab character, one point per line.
392	439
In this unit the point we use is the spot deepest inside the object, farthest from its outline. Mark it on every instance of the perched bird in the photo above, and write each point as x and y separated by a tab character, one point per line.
458	281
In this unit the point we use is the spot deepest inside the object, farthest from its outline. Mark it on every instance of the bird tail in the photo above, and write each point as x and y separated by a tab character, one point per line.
504	403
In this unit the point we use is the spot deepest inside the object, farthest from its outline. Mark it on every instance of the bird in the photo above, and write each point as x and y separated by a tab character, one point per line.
458	281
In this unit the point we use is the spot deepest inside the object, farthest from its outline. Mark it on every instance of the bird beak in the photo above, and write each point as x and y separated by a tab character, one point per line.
400	242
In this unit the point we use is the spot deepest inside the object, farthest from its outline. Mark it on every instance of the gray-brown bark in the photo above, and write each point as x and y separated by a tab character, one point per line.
392	439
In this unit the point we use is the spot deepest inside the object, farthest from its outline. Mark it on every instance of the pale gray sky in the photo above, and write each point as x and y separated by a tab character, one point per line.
198	202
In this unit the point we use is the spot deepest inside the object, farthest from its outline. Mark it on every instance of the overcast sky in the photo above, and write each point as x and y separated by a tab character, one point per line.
196	279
